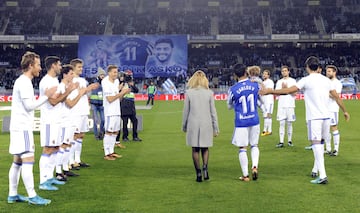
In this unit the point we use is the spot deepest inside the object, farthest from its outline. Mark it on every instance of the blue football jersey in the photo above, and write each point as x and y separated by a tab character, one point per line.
133	51
243	97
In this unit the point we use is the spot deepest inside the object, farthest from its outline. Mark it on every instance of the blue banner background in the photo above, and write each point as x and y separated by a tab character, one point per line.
136	53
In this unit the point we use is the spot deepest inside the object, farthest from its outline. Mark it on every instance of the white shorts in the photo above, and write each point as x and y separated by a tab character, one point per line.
243	136
112	123
81	123
21	141
318	129
67	134
50	135
287	113
334	118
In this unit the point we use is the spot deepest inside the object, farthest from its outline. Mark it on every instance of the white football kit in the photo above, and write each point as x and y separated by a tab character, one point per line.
81	110
111	110
50	131
286	103
22	116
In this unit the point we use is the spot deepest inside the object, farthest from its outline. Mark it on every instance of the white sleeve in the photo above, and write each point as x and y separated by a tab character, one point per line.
301	83
32	105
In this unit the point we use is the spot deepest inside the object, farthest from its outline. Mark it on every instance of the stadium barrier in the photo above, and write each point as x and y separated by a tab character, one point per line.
179	97
6	124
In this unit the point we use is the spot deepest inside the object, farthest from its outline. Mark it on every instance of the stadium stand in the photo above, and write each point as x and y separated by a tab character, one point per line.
192	17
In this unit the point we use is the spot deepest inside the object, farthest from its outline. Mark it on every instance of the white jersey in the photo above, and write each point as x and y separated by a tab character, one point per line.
333	106
49	113
65	110
21	118
268	99
82	107
110	89
316	94
286	100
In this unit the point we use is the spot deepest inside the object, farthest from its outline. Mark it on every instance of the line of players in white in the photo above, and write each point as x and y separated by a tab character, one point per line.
286	109
64	109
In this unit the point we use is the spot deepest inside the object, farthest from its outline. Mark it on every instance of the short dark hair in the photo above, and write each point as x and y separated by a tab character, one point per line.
313	63
239	70
285	67
50	60
76	61
110	67
27	59
165	40
333	67
65	70
268	71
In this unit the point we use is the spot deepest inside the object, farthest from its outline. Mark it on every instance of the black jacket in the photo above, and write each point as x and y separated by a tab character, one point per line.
127	104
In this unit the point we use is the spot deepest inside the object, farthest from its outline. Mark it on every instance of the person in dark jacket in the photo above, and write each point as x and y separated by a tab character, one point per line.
96	102
128	111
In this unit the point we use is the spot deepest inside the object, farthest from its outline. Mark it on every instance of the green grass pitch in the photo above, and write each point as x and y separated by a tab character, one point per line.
157	174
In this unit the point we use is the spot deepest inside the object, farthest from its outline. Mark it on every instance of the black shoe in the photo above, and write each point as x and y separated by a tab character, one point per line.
254	173
334	153
60	177
125	140
280	145
84	165
70	174
198	175
314	174
206	174
75	167
290	143
137	139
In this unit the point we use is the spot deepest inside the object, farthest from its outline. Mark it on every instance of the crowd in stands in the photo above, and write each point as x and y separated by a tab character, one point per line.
145	17
92	17
216	61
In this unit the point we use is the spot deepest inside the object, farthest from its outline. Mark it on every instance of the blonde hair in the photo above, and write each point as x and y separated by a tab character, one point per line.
198	79
253	70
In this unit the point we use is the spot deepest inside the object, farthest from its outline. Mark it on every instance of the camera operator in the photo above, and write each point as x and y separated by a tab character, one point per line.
96	102
127	106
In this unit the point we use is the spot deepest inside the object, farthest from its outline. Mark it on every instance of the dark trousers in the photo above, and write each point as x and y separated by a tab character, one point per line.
150	97
134	121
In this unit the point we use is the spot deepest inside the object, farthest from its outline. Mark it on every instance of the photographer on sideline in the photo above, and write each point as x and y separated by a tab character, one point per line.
127	106
96	102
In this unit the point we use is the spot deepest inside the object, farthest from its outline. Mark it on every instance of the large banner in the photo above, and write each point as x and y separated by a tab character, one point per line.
146	56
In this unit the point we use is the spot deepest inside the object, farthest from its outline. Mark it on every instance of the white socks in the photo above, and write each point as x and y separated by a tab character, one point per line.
14	176
28	178
328	142
243	159
318	150
267	124
282	131
26	170
45	167
290	131
72	153
59	160
65	161
336	138
106	143
78	148
255	153
112	144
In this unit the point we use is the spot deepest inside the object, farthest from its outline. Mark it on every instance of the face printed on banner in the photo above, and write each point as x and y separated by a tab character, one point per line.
163	51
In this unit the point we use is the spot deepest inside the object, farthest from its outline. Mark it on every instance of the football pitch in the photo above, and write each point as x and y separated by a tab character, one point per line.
157	175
